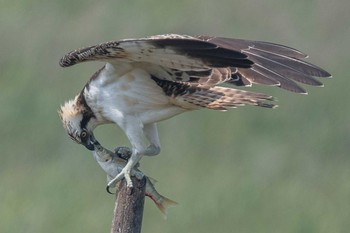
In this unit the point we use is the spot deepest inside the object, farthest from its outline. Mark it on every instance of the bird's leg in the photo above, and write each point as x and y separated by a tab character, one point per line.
152	150
126	171
151	133
133	161
136	132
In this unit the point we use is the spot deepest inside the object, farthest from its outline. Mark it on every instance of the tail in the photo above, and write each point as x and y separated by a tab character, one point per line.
164	205
222	98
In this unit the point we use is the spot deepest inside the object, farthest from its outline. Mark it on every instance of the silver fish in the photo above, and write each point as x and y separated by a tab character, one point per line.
112	163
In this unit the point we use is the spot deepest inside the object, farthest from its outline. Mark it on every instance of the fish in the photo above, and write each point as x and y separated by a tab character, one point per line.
112	163
162	202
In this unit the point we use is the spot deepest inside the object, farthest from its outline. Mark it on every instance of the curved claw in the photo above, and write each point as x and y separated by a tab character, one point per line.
125	173
107	189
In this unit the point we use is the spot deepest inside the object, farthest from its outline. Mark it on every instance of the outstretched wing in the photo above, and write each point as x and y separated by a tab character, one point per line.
274	64
208	60
180	57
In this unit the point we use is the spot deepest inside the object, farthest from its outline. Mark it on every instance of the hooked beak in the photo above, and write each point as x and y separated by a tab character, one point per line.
89	145
91	142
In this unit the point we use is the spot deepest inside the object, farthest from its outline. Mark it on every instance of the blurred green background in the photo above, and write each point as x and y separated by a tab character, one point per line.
246	170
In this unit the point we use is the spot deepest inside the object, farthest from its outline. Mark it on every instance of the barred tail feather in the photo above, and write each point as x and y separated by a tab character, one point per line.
222	98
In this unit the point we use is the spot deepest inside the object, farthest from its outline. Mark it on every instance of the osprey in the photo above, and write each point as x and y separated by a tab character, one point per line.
151	79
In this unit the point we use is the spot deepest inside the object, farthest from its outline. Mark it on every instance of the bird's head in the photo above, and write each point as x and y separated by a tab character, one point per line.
79	122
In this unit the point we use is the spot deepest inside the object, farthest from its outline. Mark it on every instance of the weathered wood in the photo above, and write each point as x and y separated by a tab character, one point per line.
128	209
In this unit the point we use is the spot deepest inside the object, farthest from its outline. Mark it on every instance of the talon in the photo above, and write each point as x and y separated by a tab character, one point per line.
128	180
107	189
123	174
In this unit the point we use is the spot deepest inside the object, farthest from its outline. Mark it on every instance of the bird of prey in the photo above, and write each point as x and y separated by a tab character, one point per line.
151	79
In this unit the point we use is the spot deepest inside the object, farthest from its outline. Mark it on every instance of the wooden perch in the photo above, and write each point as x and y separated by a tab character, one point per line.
128	210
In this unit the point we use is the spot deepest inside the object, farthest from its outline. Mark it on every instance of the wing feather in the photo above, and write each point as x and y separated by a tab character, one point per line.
175	53
208	60
274	64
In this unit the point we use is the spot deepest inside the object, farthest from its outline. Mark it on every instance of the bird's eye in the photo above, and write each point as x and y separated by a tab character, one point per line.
83	134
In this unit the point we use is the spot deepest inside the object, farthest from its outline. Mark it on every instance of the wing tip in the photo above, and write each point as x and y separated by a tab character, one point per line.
326	74
67	61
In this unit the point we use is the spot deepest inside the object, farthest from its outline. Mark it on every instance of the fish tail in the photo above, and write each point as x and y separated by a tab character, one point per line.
164	204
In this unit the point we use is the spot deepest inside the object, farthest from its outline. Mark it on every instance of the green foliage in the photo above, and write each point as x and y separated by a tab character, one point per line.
246	170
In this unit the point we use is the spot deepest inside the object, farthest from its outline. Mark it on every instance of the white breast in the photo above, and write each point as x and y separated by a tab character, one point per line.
131	92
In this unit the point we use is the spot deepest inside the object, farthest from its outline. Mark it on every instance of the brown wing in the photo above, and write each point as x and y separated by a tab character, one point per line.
207	60
175	52
274	64
170	57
